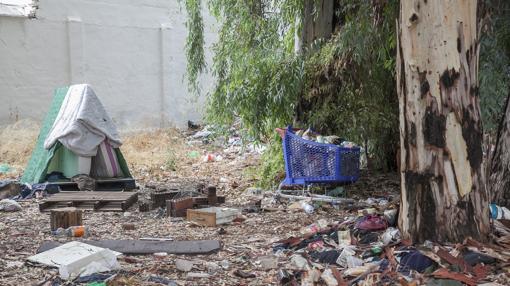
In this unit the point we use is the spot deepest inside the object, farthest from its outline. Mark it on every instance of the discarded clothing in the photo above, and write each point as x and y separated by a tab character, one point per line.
56	177
31	191
414	260
372	222
162	280
328	257
365	236
472	258
96	277
82	123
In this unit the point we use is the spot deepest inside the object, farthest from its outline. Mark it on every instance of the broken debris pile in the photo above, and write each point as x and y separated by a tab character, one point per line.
367	250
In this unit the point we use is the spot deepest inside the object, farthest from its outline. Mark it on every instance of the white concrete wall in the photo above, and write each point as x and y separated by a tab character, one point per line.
130	51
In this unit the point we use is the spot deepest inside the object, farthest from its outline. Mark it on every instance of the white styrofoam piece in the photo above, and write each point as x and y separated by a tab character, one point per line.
75	259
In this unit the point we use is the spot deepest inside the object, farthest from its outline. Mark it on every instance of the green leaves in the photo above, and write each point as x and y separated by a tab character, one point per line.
194	43
494	72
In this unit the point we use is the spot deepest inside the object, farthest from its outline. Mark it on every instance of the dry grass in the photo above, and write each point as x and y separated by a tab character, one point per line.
16	143
155	150
157	155
148	151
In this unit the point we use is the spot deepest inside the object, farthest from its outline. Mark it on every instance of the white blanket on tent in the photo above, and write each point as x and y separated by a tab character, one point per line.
82	123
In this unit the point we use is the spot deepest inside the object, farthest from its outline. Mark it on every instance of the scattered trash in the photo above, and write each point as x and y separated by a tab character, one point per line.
299	262
162	280
344	237
73	231
329	278
372	222
498	212
201	134
346	259
7	205
160	254
415	260
307	207
212	158
75	259
336	192
391	236
391	217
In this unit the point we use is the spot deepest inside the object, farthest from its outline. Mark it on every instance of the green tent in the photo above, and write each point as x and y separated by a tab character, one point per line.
57	158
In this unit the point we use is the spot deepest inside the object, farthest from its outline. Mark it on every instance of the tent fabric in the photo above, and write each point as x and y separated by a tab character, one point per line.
58	157
82	123
38	163
105	164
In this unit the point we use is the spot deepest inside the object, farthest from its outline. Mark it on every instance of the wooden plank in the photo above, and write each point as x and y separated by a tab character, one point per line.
159	198
102	185
191	247
178	207
103	201
65	217
203	201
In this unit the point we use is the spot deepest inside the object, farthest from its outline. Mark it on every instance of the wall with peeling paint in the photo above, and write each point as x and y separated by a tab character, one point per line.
130	51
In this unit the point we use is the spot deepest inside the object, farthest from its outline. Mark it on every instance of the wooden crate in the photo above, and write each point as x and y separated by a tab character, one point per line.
212	216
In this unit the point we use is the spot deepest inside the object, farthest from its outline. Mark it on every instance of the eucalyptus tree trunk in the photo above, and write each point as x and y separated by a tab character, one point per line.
443	196
499	175
317	23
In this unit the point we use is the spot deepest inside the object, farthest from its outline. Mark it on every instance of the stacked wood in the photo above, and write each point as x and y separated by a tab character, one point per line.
65	217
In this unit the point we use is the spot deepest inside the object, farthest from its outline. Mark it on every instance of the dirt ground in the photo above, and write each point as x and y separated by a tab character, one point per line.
172	159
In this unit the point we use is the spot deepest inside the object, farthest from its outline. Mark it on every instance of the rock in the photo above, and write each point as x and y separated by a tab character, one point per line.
9	189
192	275
183	265
128	226
7	205
299	263
244	274
268	262
212	267
225	264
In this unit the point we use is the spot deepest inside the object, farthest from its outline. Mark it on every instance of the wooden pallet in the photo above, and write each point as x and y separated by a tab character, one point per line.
102	185
96	201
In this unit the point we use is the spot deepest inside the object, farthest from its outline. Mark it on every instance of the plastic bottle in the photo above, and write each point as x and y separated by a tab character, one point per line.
77	231
307	207
498	212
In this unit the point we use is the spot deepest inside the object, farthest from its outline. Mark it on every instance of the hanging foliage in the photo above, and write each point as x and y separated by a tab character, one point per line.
494	61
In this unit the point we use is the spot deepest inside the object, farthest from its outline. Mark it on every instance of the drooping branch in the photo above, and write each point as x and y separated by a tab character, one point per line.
194	43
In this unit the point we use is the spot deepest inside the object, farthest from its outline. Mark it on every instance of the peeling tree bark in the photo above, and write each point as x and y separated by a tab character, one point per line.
499	176
443	193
